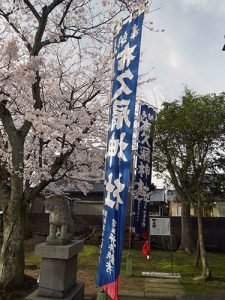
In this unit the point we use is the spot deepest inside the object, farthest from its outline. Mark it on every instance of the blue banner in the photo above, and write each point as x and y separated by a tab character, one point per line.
127	52
142	182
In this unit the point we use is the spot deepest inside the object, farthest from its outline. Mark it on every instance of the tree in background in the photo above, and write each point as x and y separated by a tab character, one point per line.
188	139
54	76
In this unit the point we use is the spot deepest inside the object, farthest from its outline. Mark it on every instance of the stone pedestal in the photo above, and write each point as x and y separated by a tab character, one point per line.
58	272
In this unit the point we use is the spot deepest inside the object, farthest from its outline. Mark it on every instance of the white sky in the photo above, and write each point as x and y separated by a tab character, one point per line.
189	52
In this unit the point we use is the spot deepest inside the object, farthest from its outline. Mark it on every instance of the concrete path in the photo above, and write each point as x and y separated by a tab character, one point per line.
181	297
162	289
157	288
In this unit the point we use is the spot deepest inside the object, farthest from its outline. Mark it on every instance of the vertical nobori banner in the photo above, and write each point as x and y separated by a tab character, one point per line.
127	53
142	182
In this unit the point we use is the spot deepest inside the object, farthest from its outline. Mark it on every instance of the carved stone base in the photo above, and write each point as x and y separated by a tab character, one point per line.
58	271
77	293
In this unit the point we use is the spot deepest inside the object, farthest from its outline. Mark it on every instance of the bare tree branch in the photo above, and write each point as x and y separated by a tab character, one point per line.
53	5
65	12
32	8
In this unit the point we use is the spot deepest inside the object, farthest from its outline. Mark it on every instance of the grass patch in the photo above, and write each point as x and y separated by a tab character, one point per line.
32	259
159	262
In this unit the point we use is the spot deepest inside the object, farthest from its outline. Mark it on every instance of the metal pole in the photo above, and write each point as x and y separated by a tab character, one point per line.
101	295
171	250
131	200
129	262
134	158
149	239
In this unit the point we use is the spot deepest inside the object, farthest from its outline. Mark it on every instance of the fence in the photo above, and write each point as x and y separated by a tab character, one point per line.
214	228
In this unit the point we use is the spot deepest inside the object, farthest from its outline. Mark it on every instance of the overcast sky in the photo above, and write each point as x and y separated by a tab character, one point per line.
189	52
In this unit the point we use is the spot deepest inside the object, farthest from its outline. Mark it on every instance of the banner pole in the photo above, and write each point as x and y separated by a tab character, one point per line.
131	200
171	250
134	162
129	263
102	295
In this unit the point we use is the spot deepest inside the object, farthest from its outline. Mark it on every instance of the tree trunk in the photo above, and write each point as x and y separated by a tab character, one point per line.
197	254
206	273
186	231
12	252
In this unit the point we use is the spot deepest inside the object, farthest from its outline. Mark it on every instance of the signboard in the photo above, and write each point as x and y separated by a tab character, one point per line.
160	226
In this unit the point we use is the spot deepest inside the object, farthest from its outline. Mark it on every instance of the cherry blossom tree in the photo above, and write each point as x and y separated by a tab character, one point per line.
54	78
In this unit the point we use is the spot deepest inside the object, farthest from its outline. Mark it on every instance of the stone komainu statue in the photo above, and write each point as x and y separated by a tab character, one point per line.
60	218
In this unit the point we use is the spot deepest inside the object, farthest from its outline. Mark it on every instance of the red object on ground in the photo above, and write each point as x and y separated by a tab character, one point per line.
145	248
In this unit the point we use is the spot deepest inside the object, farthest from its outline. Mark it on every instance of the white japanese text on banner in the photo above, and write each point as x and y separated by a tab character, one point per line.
127	48
142	182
